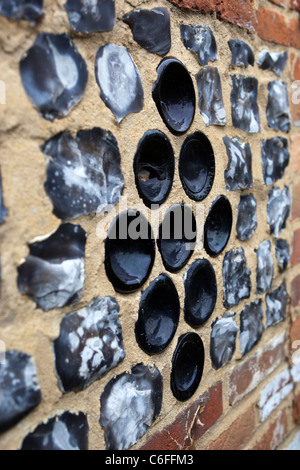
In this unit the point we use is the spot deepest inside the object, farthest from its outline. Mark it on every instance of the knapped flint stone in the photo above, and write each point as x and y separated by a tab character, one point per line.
119	81
238	175
252	326
66	432
200	39
282	252
84	173
236	278
275	61
22	10
91	16
275	158
247	217
130	404
20	390
278	209
89	345
211	103
265	267
53	273
244	107
276	303
242	54
3	210
54	75
151	29
278	113
223	340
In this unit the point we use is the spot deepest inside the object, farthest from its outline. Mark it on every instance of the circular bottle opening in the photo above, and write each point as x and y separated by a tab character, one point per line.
218	226
200	293
158	315
129	251
187	366
174	95
197	166
177	237
154	167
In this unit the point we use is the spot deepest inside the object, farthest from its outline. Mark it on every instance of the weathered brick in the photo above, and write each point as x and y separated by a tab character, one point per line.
295	294
275	27
238	12
295	258
190	424
296	409
247	376
275	434
295	331
295	4
295	66
237	434
274	393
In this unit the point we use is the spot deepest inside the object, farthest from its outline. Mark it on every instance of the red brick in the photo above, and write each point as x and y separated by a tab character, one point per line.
296	291
295	258
275	434
296	201
296	409
237	12
237	434
190	424
246	377
295	331
275	27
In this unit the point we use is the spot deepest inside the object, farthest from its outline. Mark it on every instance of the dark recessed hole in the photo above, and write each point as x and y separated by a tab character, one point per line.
177	237
200	293
129	251
154	168
187	366
174	95
218	226
197	166
158	315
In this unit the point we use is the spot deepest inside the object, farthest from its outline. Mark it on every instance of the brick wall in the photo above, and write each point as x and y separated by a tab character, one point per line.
253	401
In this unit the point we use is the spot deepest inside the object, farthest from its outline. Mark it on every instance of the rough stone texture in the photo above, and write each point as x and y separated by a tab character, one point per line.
236	278
252	326
278	113
265	267
241	53
278	209
274	61
210	97
223	339
244	108
246	223
20	390
275	159
22	10
238	175
200	39
276	303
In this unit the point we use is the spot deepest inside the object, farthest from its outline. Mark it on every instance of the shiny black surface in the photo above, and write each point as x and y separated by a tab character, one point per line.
218	226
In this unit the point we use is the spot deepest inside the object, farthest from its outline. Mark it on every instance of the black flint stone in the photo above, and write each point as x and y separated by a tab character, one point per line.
223	340
151	29
278	113
244	107
275	158
238	175
53	273
139	395
200	39
83	173
54	75
87	17
67	432
274	61
19	10
276	303
20	391
252	326
282	252
158	318
121	84
236	278
278	209
89	345
247	217
242	54
265	267
211	103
